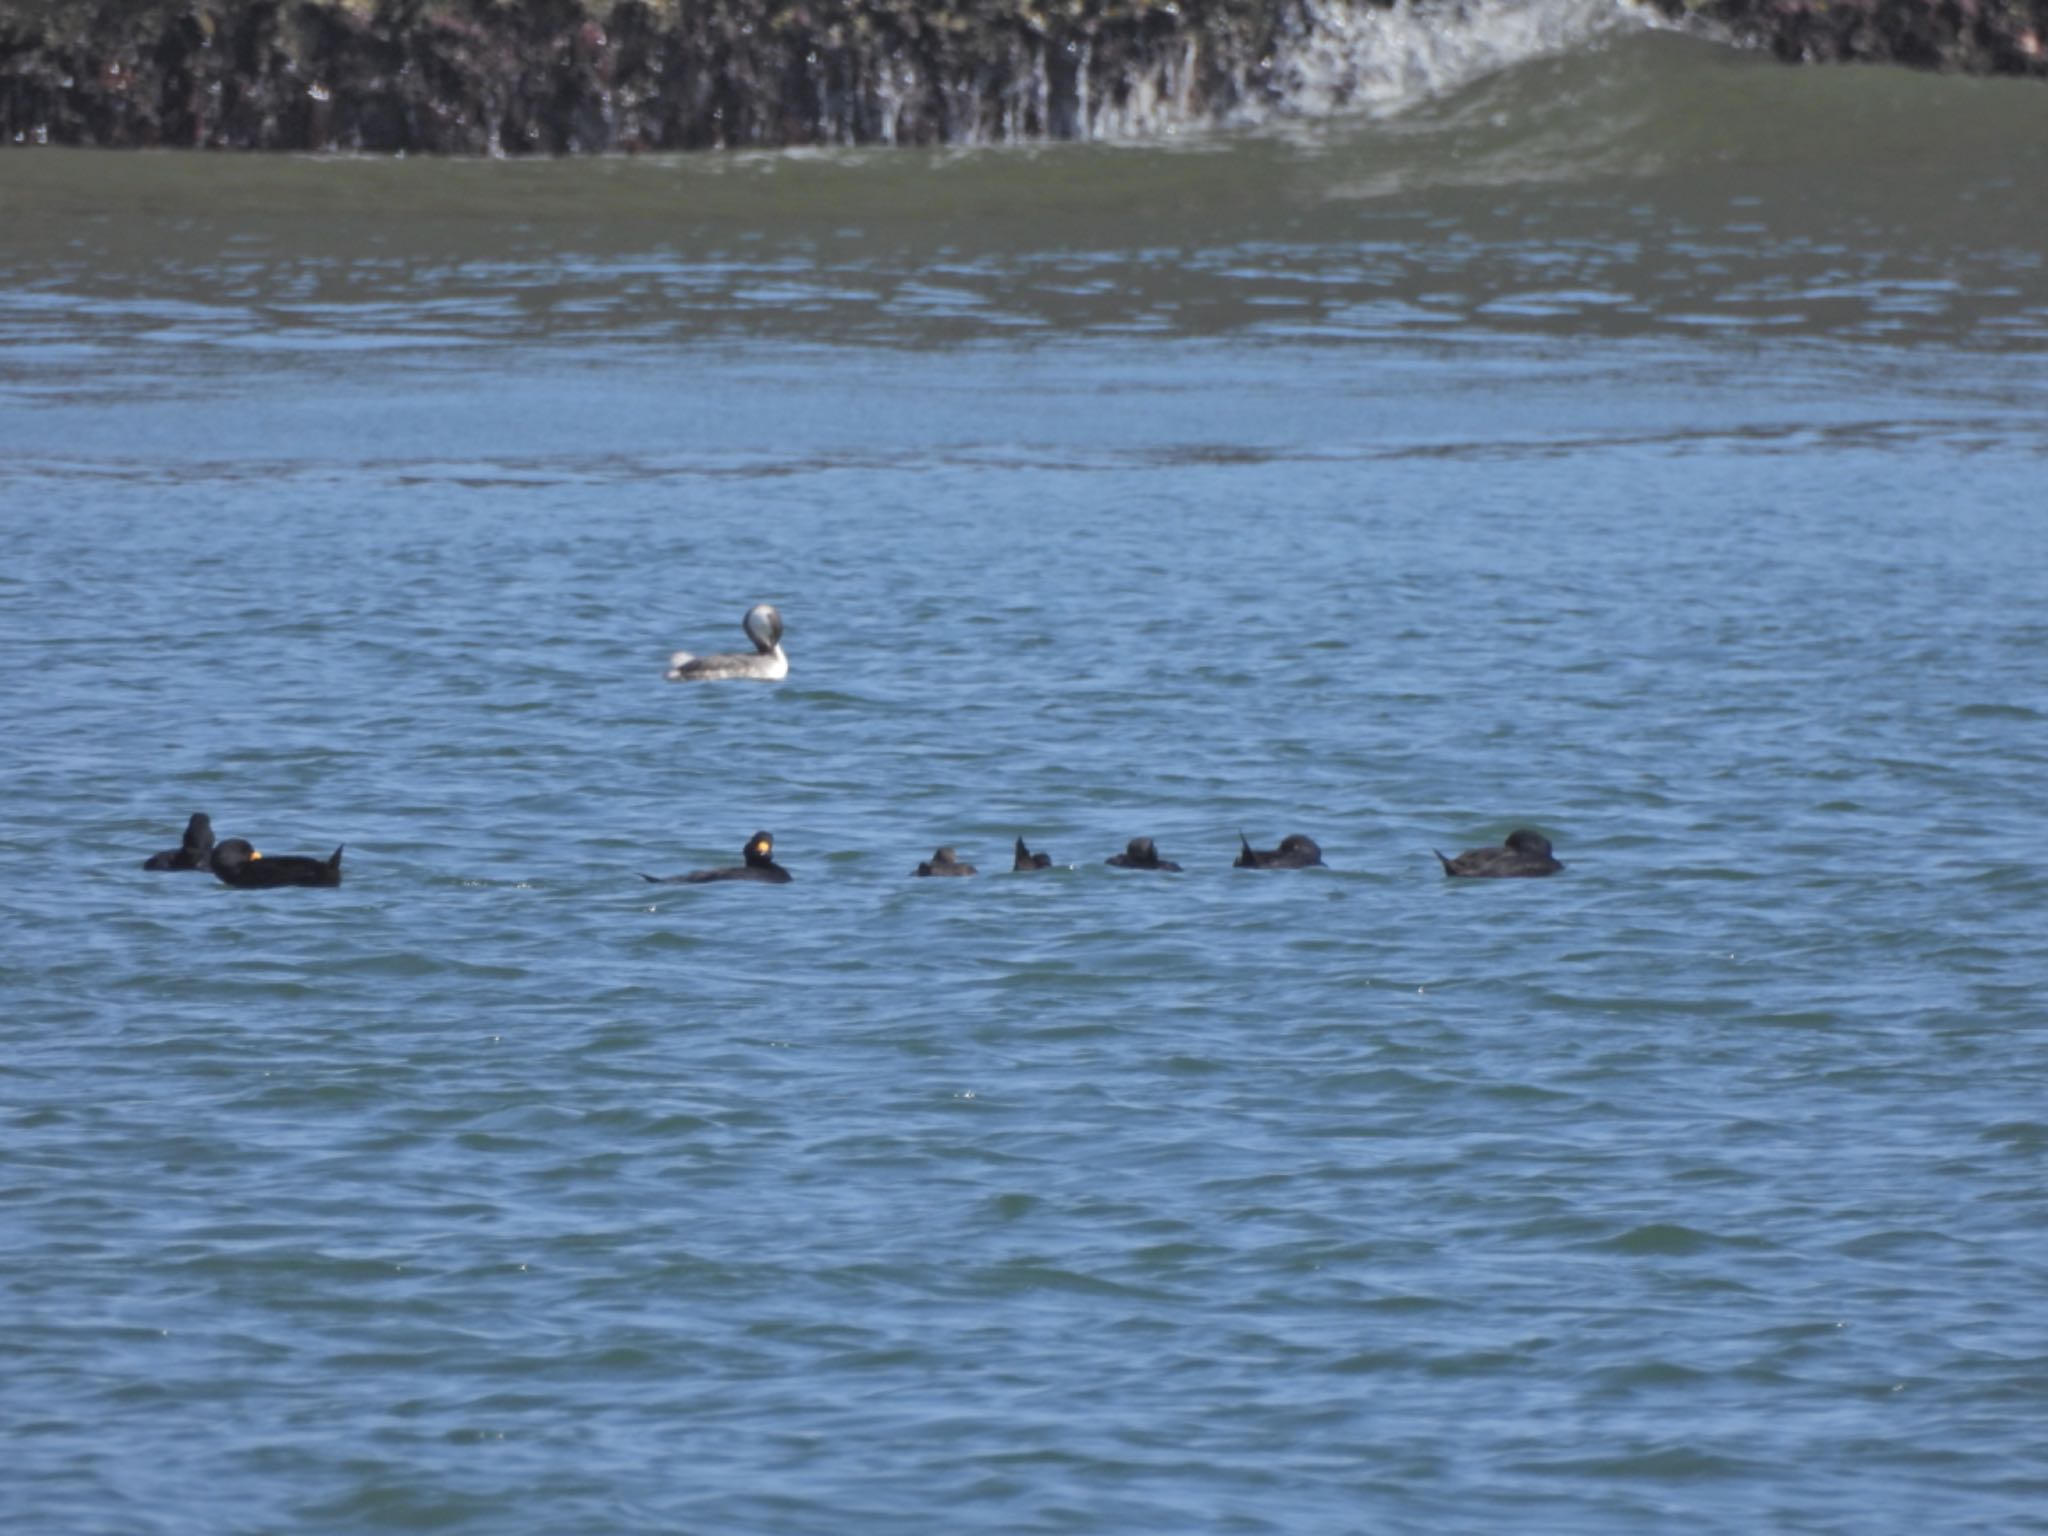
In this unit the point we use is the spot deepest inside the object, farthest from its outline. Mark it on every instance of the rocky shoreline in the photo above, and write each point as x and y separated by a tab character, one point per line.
552	77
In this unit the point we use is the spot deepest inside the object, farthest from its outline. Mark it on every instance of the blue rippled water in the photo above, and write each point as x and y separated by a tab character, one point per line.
1699	1188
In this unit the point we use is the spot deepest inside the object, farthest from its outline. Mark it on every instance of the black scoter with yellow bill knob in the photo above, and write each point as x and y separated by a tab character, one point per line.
1139	853
1296	851
760	867
1524	855
196	852
236	863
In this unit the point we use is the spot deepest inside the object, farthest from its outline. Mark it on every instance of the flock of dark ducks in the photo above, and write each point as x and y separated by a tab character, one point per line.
1525	853
233	862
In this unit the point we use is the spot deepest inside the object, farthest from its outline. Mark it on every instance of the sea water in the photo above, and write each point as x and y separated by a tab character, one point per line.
1645	446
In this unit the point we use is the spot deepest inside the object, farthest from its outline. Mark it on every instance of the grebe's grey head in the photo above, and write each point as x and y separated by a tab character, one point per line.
764	627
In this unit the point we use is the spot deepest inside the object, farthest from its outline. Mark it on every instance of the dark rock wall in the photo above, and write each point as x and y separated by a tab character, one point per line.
569	76
563	76
2005	37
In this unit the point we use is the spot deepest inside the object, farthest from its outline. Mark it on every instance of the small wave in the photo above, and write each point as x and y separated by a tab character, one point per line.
2018	1135
1674	1463
1664	1239
1894	1243
1997	712
1341	56
1648	1375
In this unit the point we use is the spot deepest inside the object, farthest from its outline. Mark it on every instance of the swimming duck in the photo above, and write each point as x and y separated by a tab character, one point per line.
1524	854
763	626
1140	854
236	863
943	863
1296	851
1026	859
196	852
760	866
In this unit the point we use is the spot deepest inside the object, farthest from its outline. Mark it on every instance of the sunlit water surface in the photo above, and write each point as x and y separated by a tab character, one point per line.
1646	447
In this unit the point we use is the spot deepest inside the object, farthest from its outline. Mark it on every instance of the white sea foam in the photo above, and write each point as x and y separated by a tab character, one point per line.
1337	56
1353	57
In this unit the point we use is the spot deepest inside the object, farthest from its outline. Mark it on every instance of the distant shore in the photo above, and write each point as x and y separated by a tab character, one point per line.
552	77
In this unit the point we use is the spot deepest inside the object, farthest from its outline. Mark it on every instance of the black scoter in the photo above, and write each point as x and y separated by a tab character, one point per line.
760	867
1140	854
1525	854
943	863
196	852
236	863
1026	859
1296	851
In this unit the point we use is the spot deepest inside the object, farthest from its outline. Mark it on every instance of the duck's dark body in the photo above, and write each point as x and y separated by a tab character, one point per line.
942	862
196	852
1139	853
761	874
1524	855
1026	859
760	867
1296	851
236	863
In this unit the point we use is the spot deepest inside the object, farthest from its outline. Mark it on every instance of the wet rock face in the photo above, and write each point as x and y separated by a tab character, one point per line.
487	77
565	76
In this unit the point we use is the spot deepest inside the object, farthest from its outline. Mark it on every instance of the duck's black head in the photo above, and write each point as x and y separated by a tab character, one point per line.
1534	844
760	850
